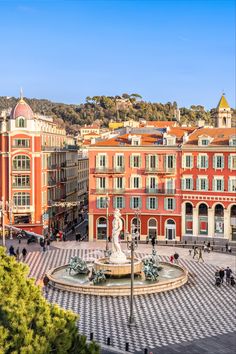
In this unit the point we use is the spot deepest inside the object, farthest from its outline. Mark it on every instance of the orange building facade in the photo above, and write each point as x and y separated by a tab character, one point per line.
38	167
169	182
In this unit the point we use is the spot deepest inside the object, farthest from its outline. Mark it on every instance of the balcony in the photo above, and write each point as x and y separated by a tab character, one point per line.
68	164
14	186
108	191
159	170
22	208
105	170
52	167
52	183
160	191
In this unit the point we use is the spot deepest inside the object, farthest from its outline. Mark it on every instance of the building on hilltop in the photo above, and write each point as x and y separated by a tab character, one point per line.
168	181
38	167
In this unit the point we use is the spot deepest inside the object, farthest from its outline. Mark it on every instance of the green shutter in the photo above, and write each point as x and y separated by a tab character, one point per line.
123	202
156	203
174	204
165	203
106	161
183	184
229	185
207	161
191	184
97	183
213	184
174	161
140	203
223	162
131	202
139	161
198	161
191	162
131	159
98	204
147	203
97	161
223	185
214	162
183	161
156	161
207	184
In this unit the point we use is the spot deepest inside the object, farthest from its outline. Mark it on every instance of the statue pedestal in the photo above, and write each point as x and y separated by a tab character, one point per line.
118	258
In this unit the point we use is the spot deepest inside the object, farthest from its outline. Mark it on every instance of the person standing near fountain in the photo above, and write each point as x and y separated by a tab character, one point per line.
117	256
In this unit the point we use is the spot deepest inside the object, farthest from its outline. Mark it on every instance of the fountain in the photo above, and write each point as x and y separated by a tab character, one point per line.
110	276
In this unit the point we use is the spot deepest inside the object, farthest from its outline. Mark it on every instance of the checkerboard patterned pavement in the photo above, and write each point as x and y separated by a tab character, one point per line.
196	310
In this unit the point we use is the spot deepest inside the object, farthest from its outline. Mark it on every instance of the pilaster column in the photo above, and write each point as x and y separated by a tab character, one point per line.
227	228
90	227
182	219
195	222
211	222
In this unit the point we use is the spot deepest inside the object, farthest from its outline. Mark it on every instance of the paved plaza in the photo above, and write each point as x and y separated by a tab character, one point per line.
191	319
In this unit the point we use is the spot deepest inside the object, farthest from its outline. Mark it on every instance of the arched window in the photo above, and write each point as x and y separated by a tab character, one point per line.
203	209
188	218
21	199
188	209
135	225
224	121
21	162
219	219
102	228
20	122
170	229
152	228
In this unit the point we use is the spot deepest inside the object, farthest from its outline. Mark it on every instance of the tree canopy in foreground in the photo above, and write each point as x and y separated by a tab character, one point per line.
28	323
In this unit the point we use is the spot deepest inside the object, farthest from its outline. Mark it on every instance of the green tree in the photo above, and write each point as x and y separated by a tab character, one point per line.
28	323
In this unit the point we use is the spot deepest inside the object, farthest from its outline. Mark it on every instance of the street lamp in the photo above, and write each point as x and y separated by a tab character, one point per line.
132	244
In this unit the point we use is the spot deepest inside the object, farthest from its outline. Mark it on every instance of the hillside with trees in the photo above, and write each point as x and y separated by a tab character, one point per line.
103	109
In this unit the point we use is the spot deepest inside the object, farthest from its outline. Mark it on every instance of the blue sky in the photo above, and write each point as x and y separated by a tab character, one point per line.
169	50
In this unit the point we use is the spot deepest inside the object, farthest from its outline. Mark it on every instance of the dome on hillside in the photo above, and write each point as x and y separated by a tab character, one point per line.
22	109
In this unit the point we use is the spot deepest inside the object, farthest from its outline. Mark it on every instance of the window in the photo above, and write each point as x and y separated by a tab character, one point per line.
202	184
218	161
170	183
101	183
151	162
135	202
135	140
119	161
202	161
101	161
136	182
101	202
21	199
232	162
152	203
119	182
188	163
21	181
20	122
22	143
205	142
187	183
169	203
232	184
170	161
218	184
152	183
119	202
135	161
21	162
232	141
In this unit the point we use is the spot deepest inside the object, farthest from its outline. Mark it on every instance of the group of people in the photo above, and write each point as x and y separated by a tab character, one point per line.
16	253
197	252
174	258
226	274
45	243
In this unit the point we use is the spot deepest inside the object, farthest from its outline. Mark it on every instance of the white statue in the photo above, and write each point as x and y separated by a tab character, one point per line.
117	256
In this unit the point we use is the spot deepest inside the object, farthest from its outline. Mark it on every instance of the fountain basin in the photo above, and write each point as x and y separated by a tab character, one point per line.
118	270
170	277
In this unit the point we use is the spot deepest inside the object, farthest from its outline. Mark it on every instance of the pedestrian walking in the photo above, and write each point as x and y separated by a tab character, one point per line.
200	255
45	283
226	247
19	237
176	257
205	249
228	273
153	241
229	249
18	254
64	236
12	251
232	281
195	252
190	251
24	253
48	243
217	278
147	239
222	275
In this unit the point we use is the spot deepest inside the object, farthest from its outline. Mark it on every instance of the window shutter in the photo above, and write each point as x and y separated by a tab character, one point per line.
174	161
206	161
131	161
139	161
230	162
191	162
213	184
229	185
183	161
123	202
214	162
165	204
131	183
183	184
191	184
156	203
106	183
156	161
147	161
147	203
106	161
140	182
198	161
223	162
97	161
131	203
98	204
140	203
115	202
174	204
223	185
97	183
206	184
197	184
